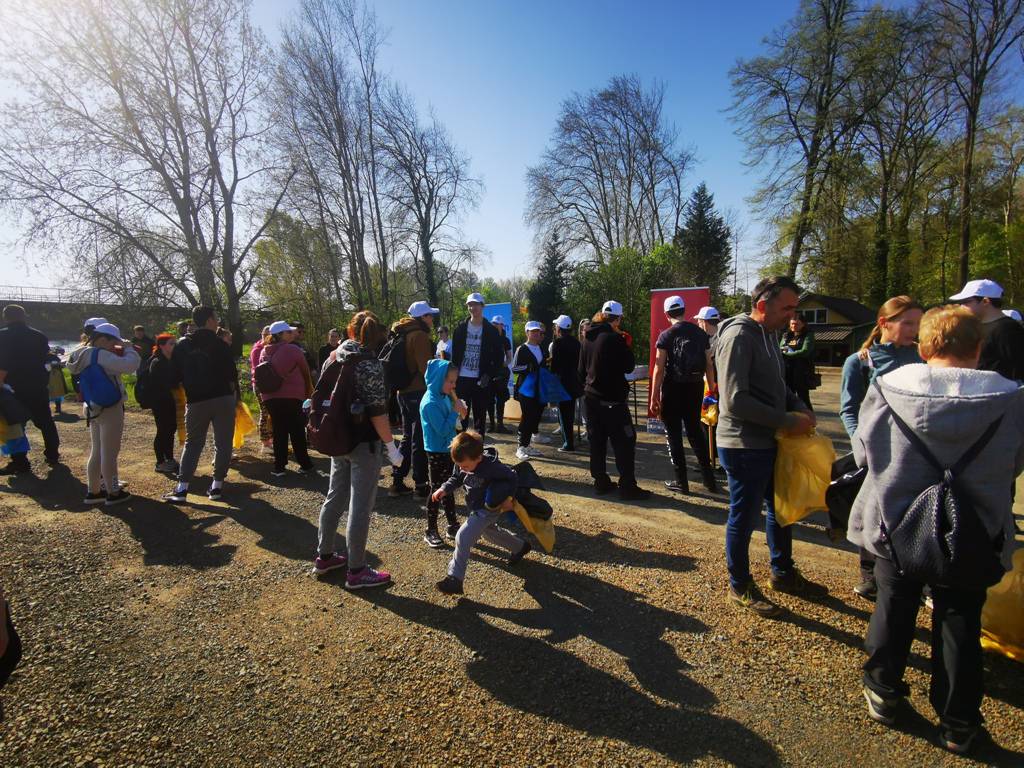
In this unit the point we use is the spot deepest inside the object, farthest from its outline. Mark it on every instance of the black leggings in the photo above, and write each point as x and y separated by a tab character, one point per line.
165	414
287	420
12	655
439	468
532	410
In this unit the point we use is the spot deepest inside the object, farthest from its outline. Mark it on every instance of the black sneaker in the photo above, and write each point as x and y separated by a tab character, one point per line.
16	469
754	601
708	478
677	485
868	589
433	540
215	494
95	498
422	490
449	585
398	489
880	709
634	493
793	583
517	556
176	497
117	498
957	740
453	528
601	487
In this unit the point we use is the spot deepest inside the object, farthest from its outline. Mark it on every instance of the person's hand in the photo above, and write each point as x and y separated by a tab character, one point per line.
438	494
118	349
394	454
655	405
507	505
461	408
798	423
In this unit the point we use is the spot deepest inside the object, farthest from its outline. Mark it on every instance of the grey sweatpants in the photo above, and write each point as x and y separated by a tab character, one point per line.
353	486
219	411
105	432
479	523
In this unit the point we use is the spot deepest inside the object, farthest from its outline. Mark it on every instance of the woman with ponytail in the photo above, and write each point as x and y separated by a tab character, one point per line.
891	344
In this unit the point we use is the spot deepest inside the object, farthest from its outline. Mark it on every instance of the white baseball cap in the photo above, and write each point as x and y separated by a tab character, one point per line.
674	302
94	321
107	329
499	320
612	307
421	308
986	289
475	297
1013	314
280	326
533	325
564	322
708	313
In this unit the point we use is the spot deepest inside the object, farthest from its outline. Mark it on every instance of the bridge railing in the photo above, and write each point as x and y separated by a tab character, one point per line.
9	293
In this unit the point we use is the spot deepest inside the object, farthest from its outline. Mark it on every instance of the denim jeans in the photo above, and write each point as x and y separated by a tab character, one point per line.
413	452
751	483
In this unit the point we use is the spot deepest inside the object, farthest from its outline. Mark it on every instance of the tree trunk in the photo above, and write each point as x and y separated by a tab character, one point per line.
429	274
965	197
880	249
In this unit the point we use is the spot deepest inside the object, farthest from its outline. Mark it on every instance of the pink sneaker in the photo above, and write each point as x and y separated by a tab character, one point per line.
324	564
367	577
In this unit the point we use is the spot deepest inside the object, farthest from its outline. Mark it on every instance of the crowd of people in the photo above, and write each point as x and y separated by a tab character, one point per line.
932	396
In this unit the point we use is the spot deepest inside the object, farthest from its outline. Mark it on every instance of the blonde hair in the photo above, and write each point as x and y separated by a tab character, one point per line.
950	331
891	310
365	328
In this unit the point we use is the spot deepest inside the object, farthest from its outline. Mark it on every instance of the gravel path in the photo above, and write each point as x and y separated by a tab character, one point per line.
191	636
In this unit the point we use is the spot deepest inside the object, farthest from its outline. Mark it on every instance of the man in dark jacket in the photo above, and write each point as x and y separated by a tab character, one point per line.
210	377
300	342
479	353
605	359
1002	350
143	343
565	364
23	353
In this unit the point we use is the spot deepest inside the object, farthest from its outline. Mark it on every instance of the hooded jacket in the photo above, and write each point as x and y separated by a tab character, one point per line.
437	413
418	350
949	409
487	486
213	373
754	399
605	359
113	365
858	375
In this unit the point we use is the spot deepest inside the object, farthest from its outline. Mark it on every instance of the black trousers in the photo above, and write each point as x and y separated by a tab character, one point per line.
680	409
611	422
37	403
12	655
288	420
867	564
532	409
165	414
957	684
477	400
567	421
439	467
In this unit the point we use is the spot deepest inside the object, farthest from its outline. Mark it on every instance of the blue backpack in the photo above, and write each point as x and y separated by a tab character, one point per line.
96	386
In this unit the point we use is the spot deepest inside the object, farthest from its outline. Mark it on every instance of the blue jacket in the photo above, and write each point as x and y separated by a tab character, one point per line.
436	411
857	373
488	485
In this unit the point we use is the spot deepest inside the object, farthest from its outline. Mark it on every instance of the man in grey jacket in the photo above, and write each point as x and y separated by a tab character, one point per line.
754	404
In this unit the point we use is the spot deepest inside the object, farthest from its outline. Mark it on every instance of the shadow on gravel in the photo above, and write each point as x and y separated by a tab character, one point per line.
280	532
57	489
534	676
604	548
985	751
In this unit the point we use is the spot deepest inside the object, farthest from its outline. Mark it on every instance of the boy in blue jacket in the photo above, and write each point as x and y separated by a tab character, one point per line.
439	412
490	486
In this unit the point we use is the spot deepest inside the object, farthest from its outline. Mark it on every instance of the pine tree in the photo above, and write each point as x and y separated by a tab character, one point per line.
546	297
705	256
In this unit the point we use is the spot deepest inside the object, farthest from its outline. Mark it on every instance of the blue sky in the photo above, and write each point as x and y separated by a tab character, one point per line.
497	72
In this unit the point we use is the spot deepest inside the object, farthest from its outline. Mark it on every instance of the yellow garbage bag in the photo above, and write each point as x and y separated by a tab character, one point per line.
803	470
179	409
709	412
1002	618
542	529
244	424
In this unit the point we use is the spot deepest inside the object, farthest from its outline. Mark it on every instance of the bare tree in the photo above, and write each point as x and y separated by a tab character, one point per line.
142	121
612	174
978	33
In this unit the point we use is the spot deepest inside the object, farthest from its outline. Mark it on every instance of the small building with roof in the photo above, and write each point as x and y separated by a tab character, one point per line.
840	325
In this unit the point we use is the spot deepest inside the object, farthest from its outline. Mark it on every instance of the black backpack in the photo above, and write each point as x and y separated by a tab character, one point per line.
939	538
143	395
685	359
396	370
197	373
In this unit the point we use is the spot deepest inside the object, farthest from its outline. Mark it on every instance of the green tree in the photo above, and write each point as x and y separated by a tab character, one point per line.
546	296
703	244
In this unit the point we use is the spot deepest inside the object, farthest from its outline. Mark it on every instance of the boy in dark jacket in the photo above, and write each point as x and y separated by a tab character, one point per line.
490	486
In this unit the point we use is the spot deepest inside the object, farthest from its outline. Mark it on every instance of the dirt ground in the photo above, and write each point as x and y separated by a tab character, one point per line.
195	635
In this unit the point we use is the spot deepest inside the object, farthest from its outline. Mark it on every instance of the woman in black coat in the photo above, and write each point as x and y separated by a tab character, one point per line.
164	378
565	363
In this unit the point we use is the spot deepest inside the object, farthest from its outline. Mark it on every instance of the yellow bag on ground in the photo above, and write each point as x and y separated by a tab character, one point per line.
803	470
179	411
1002	618
542	529
244	424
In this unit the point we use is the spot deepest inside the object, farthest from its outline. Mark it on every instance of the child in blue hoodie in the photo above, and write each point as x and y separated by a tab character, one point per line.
439	412
490	488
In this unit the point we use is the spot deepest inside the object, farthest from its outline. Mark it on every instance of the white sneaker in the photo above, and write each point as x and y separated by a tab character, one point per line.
534	451
523	453
541	438
558	431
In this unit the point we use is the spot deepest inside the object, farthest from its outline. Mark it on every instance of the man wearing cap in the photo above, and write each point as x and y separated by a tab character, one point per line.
210	378
478	353
565	364
677	390
23	353
1002	348
416	327
499	387
605	359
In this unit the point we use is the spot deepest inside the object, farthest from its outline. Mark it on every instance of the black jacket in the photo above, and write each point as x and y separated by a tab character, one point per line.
605	359
164	376
1002	350
565	364
524	363
23	353
492	348
206	366
487	486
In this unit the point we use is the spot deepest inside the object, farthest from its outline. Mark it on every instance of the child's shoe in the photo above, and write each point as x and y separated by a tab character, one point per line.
332	562
433	540
517	556
450	585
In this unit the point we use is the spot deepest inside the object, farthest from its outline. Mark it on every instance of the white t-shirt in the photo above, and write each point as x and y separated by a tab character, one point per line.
535	348
471	359
444	349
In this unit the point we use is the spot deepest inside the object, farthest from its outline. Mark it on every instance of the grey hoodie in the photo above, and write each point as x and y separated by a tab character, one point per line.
949	409
753	396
